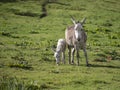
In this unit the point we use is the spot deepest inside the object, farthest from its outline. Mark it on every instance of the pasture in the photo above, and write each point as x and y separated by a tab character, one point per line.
26	38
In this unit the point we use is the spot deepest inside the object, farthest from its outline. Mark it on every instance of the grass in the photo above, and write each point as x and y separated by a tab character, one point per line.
26	58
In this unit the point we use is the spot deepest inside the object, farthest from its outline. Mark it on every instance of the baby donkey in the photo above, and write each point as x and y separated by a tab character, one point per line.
61	47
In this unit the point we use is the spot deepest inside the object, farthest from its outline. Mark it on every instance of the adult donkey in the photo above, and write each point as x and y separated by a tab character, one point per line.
76	39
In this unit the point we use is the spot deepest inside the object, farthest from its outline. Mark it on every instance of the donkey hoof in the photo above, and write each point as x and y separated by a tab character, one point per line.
88	65
72	63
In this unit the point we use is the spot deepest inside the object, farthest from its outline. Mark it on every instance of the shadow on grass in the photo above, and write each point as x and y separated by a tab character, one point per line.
22	67
5	1
45	3
105	66
65	4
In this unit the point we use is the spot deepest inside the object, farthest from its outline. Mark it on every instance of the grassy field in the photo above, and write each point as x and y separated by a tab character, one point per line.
26	58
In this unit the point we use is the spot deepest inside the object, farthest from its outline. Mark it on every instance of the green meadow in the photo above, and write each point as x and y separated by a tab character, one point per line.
26	38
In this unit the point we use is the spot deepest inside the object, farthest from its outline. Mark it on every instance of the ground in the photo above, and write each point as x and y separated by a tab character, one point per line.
26	58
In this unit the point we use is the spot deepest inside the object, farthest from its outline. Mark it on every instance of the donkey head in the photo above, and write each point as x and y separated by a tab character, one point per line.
78	24
56	55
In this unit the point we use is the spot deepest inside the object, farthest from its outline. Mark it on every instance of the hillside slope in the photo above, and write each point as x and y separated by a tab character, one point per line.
26	58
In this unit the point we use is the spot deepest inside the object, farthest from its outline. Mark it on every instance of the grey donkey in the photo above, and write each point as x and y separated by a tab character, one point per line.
76	39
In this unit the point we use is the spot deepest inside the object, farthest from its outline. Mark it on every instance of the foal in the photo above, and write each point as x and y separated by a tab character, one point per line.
61	47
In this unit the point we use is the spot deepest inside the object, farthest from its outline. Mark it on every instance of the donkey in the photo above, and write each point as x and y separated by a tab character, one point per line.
76	39
61	47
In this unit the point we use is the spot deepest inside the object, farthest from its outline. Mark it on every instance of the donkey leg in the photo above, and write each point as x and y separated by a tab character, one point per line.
63	57
69	53
73	51
78	56
77	52
85	53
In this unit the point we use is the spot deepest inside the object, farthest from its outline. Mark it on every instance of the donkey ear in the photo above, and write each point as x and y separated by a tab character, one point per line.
73	20
83	21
